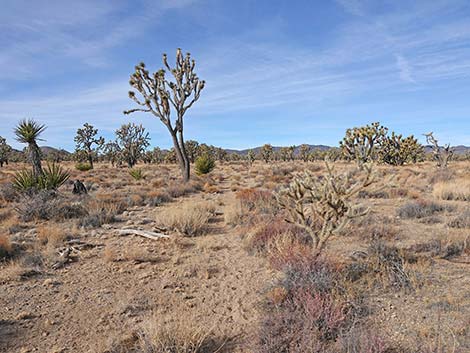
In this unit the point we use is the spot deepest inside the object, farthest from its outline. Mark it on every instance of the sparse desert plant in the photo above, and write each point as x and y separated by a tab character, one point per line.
160	95
137	173
190	219
458	190
83	167
176	190
204	164
323	207
262	201
101	211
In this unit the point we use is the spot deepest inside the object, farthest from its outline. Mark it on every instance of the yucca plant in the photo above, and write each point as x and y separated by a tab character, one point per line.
28	131
54	176
137	173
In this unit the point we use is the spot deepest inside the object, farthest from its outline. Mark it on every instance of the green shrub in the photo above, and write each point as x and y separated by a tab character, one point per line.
204	164
137	173
53	178
83	167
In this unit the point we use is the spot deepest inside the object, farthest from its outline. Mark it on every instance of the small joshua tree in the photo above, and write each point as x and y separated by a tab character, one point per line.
28	131
304	152
324	206
362	143
112	152
192	149
5	151
442	154
87	142
396	150
159	96
250	157
132	140
267	152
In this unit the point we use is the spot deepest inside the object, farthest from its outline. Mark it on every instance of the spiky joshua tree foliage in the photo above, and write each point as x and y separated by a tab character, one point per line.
160	96
324	206
28	131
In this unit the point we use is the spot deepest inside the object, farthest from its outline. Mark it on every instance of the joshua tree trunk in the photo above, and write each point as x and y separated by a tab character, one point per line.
90	159
180	152
34	155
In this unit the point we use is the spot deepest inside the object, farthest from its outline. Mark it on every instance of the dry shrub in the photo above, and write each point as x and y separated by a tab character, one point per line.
421	209
6	248
48	205
182	335
262	201
442	175
460	221
385	266
157	198
190	219
52	235
110	254
101	211
178	189
456	190
233	213
268	230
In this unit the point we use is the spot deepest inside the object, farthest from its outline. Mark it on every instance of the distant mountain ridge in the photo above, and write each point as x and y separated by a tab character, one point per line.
460	149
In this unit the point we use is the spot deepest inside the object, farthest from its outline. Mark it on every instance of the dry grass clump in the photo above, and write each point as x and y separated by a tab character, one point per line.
178	189
421	209
101	211
6	248
460	221
458	190
51	234
183	334
262	201
233	213
190	219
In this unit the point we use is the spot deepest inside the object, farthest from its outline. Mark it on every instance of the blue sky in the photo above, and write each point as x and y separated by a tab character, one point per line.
279	72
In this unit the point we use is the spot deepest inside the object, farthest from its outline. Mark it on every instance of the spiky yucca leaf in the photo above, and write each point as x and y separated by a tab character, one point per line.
137	173
28	131
54	177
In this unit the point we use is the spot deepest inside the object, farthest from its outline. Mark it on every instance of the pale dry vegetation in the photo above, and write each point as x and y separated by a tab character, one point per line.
234	276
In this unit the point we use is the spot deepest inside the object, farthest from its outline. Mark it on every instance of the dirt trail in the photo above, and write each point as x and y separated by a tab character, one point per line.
117	285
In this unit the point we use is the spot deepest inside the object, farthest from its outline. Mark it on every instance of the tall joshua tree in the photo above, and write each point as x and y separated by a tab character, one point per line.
160	96
28	131
87	141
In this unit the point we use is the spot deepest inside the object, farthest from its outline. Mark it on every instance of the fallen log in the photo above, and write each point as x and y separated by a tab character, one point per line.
143	233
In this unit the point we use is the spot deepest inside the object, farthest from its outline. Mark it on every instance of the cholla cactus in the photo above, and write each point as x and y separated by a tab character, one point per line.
159	96
362	143
324	206
442	154
267	152
396	150
5	151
